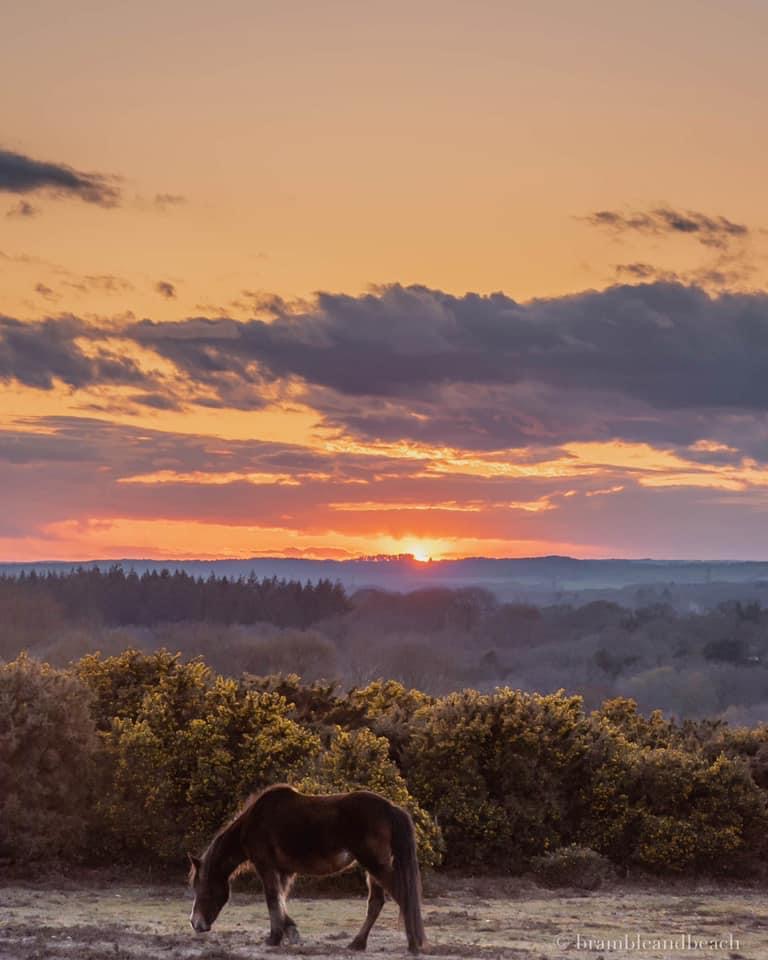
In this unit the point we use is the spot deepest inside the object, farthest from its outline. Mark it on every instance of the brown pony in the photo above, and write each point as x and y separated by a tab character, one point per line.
281	832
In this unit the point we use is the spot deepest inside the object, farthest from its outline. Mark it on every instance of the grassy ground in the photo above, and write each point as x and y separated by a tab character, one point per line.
513	919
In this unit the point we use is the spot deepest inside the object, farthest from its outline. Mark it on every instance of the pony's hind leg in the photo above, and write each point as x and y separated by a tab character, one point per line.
291	931
273	894
385	877
375	903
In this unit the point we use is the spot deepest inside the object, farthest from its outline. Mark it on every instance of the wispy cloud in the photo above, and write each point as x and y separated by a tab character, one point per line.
23	210
45	291
717	231
726	272
164	201
646	273
92	482
22	174
102	282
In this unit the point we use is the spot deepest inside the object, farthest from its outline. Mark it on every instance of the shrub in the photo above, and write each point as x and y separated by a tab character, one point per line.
497	772
47	761
119	683
315	705
146	755
388	708
193	752
620	717
671	811
572	866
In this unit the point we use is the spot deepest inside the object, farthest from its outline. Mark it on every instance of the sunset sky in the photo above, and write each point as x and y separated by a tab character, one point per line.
336	279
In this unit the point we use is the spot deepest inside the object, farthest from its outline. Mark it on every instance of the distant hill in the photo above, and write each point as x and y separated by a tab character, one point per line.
538	579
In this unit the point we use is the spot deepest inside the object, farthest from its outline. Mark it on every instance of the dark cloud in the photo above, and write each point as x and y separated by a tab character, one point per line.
651	360
23	209
716	232
37	354
22	174
233	380
660	363
465	416
666	344
158	401
166	289
138	450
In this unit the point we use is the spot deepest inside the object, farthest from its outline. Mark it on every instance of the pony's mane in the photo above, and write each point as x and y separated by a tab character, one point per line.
224	833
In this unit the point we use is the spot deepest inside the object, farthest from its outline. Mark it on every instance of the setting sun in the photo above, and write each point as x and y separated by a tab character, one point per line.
420	551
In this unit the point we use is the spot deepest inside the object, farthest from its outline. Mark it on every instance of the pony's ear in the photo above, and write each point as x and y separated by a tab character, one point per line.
194	862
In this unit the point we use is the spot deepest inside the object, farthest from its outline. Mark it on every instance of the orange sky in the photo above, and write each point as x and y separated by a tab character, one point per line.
170	161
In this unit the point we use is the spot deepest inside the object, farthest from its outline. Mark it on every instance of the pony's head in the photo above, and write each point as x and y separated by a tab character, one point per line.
211	893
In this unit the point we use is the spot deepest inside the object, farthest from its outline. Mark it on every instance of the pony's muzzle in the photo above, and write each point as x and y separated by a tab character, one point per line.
199	925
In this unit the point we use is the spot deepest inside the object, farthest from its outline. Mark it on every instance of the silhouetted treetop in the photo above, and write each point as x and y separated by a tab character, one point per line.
117	597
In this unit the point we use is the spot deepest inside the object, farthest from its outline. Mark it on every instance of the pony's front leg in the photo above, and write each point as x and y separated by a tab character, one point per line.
375	903
273	894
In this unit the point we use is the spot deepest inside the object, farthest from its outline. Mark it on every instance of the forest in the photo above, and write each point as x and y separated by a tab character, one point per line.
689	664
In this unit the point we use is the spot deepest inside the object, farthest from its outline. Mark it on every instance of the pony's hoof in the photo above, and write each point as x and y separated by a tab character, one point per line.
358	944
292	935
274	940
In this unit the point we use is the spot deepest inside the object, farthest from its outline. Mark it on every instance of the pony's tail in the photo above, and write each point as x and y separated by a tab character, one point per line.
407	879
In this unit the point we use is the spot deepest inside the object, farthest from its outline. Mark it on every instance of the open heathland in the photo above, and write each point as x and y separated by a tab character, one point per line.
474	918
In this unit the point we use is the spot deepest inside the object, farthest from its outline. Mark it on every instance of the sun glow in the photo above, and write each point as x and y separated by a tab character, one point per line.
420	551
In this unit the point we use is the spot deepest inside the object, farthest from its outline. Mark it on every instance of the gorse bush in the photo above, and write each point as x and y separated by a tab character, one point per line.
48	751
119	684
498	772
668	810
659	796
185	748
134	758
184	757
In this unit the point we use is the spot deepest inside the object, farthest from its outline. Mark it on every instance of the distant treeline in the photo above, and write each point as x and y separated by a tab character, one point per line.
118	598
691	664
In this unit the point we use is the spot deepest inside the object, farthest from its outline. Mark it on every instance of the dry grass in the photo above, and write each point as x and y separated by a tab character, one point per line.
472	918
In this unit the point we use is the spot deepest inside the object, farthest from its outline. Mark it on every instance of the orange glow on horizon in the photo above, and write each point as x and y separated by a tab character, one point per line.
421	552
122	538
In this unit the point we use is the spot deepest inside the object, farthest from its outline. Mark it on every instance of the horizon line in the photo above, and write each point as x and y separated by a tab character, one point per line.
372	558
